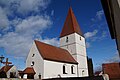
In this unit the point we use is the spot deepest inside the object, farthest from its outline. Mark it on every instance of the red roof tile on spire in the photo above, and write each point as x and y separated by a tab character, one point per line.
49	52
71	25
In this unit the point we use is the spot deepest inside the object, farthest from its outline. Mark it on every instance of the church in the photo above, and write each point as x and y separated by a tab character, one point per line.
68	60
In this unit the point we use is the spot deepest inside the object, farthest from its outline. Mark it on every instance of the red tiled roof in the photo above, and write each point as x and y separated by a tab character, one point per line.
112	69
71	25
7	68
49	52
29	70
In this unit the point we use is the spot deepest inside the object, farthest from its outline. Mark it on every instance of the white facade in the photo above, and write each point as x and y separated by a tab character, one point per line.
75	44
55	69
48	69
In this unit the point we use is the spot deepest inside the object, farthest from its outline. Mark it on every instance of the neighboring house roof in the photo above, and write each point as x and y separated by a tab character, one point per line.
7	68
49	52
71	25
112	69
29	70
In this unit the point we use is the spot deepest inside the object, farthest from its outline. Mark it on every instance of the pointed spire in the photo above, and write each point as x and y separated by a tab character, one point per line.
71	25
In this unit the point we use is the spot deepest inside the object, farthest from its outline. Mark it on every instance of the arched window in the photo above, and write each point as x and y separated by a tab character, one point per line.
72	69
64	69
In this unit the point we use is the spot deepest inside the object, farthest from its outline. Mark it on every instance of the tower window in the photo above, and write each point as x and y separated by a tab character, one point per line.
32	64
72	69
64	69
66	39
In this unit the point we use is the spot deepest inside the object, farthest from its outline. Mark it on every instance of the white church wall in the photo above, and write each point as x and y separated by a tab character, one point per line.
54	69
38	61
83	72
79	39
80	45
81	55
83	67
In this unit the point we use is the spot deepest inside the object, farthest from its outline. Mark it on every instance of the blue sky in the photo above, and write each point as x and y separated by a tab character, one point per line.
22	21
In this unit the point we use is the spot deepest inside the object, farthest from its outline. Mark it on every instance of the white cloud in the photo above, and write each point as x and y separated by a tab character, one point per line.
91	34
19	33
23	7
52	12
16	44
4	22
27	6
19	41
53	41
88	45
33	25
99	14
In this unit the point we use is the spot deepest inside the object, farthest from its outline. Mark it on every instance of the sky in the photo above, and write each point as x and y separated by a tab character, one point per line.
23	21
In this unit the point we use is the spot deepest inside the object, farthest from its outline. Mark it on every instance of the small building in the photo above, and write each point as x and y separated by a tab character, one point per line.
112	69
11	71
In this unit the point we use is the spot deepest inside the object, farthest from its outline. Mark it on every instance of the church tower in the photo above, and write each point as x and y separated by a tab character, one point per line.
72	39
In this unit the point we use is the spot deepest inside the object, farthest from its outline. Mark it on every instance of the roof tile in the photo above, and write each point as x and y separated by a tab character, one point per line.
49	52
